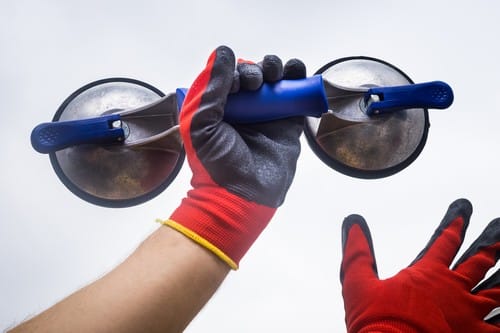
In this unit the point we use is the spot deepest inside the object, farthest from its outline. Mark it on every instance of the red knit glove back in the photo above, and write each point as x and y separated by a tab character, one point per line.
428	296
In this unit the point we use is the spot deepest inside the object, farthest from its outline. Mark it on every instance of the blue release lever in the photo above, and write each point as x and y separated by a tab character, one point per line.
51	137
428	95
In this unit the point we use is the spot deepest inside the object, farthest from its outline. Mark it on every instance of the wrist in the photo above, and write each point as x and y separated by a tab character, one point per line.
220	221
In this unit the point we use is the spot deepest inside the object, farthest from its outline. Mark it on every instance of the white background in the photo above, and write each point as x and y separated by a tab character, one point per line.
52	243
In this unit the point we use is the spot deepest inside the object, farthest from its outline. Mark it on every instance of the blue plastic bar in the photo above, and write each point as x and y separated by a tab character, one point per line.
428	95
54	136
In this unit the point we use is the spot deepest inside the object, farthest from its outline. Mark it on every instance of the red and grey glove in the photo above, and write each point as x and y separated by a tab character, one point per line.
241	173
427	296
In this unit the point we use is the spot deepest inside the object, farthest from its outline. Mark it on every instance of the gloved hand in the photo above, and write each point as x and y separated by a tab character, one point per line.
241	173
427	296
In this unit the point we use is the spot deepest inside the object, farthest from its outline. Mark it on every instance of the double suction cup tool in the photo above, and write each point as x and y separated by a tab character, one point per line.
115	142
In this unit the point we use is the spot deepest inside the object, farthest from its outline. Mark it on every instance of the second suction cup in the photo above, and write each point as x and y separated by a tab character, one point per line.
358	145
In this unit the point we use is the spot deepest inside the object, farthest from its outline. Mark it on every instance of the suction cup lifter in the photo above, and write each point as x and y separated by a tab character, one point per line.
284	99
352	106
139	127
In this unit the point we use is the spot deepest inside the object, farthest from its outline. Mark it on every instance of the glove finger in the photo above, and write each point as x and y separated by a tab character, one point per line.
294	69
488	298
207	96
493	318
272	68
448	237
490	283
481	255
235	87
358	261
251	76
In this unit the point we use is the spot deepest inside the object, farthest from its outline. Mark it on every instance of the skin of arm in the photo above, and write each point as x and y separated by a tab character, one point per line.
160	287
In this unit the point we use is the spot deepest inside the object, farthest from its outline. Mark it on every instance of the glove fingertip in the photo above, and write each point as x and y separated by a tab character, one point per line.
462	207
251	77
272	68
225	55
221	69
349	222
357	248
294	69
458	208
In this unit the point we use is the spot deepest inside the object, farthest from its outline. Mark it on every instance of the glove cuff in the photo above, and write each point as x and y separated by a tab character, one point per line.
389	326
393	325
220	221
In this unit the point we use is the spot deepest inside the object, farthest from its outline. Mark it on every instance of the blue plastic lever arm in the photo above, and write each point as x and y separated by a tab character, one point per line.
54	136
283	99
428	95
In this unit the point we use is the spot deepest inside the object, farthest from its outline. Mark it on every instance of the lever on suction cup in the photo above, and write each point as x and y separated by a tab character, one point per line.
428	95
54	136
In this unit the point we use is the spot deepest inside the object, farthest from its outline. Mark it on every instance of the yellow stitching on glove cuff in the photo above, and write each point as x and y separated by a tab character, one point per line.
200	240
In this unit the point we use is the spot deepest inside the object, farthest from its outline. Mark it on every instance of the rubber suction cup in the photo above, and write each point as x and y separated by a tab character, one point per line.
115	177
359	145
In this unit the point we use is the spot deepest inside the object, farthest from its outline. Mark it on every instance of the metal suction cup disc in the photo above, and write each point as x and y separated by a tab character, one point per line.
114	177
367	147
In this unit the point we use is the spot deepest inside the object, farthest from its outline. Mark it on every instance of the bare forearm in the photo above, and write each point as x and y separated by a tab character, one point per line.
159	288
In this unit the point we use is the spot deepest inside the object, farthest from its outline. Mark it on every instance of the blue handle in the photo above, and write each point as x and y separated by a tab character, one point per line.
283	99
54	136
428	95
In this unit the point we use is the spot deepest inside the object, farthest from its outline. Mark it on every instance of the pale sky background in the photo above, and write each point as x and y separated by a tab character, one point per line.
52	242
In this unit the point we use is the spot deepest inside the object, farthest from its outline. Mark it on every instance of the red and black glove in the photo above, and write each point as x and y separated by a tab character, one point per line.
241	173
427	296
